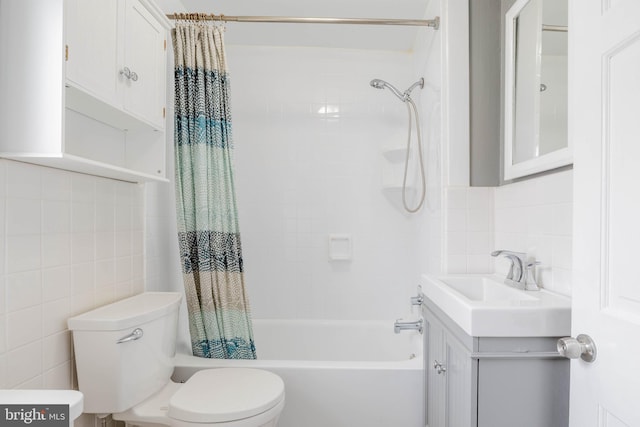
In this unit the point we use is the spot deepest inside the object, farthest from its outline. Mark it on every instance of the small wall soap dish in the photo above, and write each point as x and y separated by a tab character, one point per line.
340	247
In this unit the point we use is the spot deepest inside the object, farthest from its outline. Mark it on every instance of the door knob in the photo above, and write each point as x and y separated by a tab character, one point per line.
582	346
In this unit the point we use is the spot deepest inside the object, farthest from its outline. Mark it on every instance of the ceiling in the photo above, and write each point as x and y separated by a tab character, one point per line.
379	37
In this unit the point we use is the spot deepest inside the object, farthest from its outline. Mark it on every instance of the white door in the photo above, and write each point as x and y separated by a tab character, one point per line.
604	97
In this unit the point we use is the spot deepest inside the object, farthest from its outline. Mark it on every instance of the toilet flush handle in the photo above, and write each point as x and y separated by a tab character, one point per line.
135	335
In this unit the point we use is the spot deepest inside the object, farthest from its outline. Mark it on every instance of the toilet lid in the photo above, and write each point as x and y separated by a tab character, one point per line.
226	394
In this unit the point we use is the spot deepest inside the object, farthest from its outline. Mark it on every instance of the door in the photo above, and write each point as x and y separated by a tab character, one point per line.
144	55
604	97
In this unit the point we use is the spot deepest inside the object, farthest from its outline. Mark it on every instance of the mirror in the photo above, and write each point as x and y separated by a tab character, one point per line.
535	107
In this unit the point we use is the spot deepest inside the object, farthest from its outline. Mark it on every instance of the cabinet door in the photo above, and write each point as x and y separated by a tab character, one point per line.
145	51
460	394
92	47
435	379
450	377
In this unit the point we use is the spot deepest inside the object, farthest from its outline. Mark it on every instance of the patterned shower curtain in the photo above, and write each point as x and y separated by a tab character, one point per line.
208	234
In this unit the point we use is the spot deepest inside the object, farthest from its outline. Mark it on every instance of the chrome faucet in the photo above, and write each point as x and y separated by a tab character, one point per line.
520	273
402	326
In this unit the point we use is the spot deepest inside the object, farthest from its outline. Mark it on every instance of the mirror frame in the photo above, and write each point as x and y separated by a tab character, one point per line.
552	160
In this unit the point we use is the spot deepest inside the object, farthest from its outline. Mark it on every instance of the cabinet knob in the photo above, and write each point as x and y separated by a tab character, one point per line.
126	72
131	75
439	367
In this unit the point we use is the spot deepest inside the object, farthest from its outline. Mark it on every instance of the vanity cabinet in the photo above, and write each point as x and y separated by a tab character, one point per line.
85	91
491	381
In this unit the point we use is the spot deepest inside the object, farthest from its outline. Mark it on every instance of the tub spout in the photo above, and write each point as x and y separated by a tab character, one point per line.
401	326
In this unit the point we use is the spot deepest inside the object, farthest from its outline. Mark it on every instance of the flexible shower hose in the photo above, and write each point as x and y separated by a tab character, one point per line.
409	102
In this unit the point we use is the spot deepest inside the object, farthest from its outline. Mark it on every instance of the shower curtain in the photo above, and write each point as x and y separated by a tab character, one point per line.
208	234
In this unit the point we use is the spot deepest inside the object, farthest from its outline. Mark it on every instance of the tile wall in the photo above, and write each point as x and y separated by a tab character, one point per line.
469	229
309	133
532	216
535	216
429	62
68	243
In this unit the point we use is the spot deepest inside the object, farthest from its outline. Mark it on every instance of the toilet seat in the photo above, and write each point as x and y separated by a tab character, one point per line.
225	395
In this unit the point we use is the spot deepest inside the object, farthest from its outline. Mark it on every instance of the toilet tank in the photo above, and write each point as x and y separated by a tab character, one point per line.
116	376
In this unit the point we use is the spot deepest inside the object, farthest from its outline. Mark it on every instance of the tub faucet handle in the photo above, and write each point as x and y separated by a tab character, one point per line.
417	300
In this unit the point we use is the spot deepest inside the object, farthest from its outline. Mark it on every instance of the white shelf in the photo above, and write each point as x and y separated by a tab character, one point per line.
395	154
411	189
78	100
82	165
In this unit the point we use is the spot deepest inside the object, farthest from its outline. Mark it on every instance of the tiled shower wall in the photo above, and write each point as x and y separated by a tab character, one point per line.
68	243
309	133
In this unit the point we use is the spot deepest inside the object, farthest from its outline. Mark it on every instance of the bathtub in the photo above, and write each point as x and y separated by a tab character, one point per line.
336	373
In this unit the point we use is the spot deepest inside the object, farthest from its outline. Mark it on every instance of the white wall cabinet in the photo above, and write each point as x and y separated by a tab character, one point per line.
489	381
95	116
115	55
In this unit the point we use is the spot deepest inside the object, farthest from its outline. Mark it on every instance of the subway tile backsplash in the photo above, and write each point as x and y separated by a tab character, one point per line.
532	216
68	243
535	216
469	229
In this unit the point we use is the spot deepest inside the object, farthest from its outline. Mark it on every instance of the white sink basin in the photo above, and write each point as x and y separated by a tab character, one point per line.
483	306
484	289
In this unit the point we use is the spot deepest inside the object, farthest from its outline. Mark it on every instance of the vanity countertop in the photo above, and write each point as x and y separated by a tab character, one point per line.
483	306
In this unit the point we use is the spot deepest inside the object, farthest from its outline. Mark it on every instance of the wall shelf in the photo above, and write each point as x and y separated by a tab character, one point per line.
82	102
395	154
84	165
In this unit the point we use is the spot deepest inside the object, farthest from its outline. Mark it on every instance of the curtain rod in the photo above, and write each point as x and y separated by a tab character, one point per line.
434	23
556	28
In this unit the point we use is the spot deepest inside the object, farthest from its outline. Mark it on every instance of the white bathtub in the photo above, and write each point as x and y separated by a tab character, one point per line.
336	373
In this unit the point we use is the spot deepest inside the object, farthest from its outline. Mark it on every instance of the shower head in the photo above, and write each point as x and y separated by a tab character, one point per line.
381	84
403	96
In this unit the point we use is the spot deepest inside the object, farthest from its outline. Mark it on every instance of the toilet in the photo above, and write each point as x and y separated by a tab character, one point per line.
124	357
